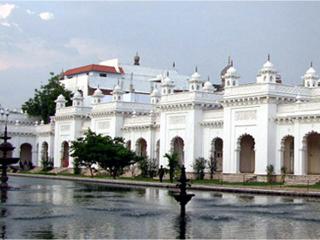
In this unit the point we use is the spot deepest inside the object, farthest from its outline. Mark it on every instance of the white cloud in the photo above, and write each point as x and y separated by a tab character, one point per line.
6	10
30	12
6	24
46	16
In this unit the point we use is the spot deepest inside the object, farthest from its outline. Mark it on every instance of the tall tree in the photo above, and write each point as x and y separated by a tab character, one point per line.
42	104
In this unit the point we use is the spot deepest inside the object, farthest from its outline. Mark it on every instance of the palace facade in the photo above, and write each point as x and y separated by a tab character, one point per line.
245	127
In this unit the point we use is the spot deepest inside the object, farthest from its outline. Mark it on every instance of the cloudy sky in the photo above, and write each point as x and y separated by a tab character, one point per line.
37	38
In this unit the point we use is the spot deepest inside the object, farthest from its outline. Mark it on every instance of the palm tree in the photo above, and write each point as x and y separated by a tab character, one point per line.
172	163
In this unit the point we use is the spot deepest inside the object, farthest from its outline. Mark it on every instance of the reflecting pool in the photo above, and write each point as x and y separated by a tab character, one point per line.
39	208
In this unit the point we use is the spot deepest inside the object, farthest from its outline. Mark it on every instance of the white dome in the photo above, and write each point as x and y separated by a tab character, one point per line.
98	92
268	66
311	71
117	88
77	94
231	71
195	76
60	98
208	86
155	93
167	81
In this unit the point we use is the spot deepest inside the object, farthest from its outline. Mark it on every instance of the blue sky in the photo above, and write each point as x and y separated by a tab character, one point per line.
37	38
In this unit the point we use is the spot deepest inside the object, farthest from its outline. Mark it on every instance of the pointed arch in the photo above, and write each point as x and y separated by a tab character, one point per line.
26	154
65	154
311	148
246	146
141	147
287	153
177	146
216	153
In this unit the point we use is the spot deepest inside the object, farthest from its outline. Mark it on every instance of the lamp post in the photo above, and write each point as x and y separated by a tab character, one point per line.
6	148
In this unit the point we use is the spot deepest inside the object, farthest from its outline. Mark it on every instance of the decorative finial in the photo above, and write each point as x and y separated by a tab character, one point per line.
208	78
136	60
311	64
167	73
196	69
231	63
268	56
174	64
229	60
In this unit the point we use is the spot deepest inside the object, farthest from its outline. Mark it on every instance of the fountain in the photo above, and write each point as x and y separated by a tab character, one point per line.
183	197
5	160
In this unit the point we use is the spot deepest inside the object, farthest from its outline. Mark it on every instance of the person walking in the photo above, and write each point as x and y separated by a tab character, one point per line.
161	173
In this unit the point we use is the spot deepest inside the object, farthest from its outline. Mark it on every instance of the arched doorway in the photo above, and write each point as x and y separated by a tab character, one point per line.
177	146
128	144
247	154
313	153
141	147
26	155
65	154
287	147
217	153
44	152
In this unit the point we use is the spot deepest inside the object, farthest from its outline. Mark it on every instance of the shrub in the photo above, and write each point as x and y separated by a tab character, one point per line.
270	173
199	166
47	164
283	173
173	164
212	166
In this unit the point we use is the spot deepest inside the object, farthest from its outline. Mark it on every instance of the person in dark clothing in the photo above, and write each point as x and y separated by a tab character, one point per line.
161	173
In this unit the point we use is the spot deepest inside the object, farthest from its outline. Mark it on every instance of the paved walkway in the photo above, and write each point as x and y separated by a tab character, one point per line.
275	190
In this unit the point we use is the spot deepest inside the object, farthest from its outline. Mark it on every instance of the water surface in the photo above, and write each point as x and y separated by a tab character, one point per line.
40	208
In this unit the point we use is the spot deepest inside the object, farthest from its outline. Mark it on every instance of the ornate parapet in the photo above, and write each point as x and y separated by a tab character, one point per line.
212	124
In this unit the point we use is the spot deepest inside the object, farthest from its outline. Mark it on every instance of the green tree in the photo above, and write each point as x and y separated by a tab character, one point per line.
109	153
199	166
43	103
86	151
173	164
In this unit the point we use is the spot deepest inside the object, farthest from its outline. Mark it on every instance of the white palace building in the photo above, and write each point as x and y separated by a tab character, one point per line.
244	126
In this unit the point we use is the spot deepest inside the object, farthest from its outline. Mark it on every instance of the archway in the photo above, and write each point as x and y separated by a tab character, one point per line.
44	152
128	144
26	155
313	153
177	146
217	153
141	147
247	154
65	154
287	147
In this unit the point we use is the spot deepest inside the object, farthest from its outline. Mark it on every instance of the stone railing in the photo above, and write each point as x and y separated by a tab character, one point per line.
184	97
267	89
123	106
73	110
44	128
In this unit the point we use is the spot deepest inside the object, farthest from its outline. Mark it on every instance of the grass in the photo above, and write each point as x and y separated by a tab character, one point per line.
209	182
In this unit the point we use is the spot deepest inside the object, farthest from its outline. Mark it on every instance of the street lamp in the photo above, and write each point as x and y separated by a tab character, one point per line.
6	148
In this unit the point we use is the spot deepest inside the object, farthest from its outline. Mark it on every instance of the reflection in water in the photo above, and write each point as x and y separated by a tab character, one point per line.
38	208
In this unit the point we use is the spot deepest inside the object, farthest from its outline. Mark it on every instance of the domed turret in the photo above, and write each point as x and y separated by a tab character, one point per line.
310	78
117	93
195	82
155	96
167	85
268	73
60	102
208	87
77	100
231	77
97	96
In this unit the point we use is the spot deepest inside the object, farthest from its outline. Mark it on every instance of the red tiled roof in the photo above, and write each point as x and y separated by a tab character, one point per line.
93	68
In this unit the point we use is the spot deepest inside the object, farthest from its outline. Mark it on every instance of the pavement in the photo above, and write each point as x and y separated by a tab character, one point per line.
274	190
